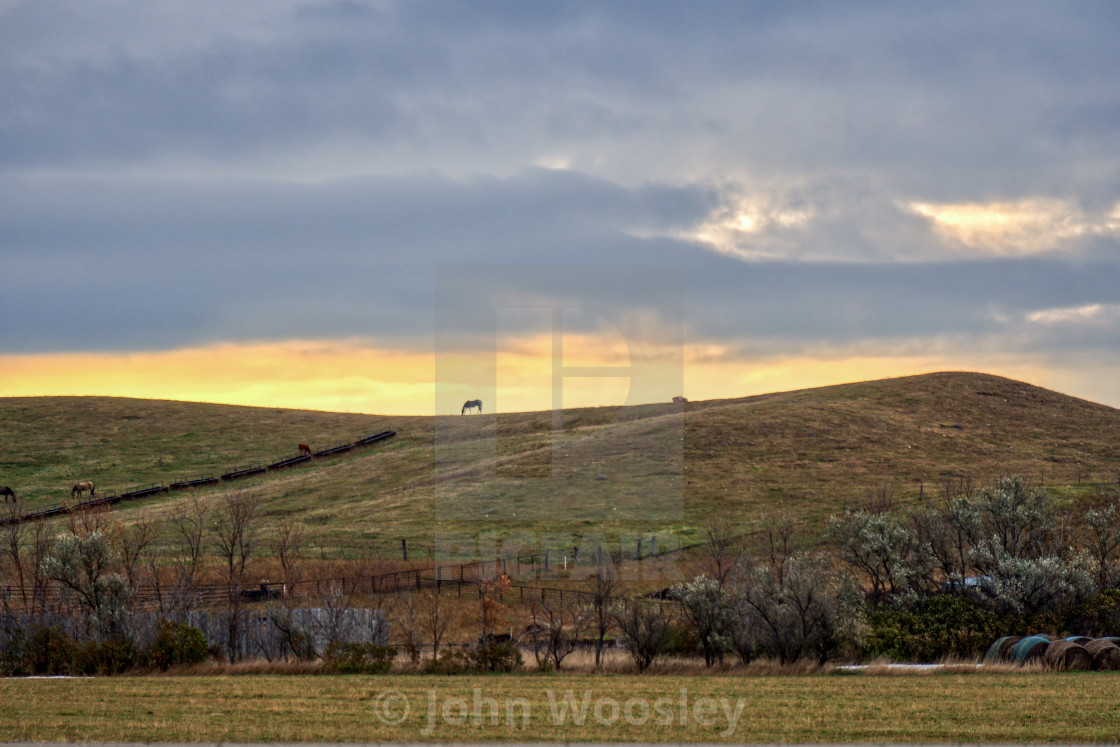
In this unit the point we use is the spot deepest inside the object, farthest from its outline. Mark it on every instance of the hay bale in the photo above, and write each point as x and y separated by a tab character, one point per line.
1008	646
1067	655
1080	640
1106	654
1001	649
1030	648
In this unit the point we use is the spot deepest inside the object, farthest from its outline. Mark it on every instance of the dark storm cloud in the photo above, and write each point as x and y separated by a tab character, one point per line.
949	100
166	263
186	172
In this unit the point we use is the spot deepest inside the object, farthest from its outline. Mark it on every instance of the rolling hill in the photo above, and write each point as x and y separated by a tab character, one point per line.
613	470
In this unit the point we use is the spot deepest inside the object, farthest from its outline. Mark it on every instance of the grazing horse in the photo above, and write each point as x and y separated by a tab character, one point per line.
471	404
8	493
80	488
305	449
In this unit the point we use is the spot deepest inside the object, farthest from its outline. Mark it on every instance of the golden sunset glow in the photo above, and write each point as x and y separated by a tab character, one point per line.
1014	228
336	376
356	376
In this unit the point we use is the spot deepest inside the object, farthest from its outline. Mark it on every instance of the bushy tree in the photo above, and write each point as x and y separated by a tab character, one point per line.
883	550
82	564
808	611
707	610
1028	585
1102	525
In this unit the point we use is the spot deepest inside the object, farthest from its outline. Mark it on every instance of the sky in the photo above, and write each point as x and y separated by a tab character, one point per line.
389	207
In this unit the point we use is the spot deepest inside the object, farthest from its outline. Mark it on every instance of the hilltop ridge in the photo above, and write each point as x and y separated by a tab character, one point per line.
808	452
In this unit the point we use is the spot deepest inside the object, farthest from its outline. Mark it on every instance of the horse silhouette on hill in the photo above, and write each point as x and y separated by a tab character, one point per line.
470	404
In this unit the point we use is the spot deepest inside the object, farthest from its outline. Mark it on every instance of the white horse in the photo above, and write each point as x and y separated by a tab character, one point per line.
470	404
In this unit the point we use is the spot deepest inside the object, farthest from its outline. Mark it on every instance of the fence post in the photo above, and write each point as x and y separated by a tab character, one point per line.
546	561
653	545
639	551
404	549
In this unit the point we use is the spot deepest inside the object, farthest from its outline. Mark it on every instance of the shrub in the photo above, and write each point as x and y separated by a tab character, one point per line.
359	658
113	656
941	626
50	651
449	661
177	644
13	643
1097	616
496	657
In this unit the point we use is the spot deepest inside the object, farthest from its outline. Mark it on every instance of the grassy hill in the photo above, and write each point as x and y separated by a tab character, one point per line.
610	470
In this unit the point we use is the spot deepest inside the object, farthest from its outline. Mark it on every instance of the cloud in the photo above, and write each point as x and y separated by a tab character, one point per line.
1028	226
1094	313
180	174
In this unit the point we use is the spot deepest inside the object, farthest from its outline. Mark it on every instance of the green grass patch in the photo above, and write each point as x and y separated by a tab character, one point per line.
614	471
890	708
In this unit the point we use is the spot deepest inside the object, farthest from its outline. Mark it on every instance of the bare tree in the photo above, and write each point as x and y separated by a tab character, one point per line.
134	540
406	614
490	606
234	536
189	524
723	547
801	614
435	616
11	541
645	630
24	546
1103	540
780	539
555	626
286	546
603	594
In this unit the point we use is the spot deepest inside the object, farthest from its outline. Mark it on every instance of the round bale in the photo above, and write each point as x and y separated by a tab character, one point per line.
999	651
1030	648
1067	655
1008	646
1106	654
1080	640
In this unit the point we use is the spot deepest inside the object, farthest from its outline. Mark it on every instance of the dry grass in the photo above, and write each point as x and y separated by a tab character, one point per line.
901	708
611	474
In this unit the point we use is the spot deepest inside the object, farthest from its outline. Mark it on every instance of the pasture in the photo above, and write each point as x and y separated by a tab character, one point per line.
661	708
617	471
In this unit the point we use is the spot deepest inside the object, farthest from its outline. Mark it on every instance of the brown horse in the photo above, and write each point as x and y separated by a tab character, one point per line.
8	493
305	449
80	488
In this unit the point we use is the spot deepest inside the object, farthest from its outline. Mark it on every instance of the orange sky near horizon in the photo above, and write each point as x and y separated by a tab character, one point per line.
354	376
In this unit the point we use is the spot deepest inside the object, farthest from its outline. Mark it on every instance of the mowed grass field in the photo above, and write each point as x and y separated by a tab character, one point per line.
614	471
1072	707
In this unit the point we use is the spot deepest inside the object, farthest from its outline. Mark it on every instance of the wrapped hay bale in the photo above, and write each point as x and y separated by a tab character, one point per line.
1008	646
1106	654
1000	651
1080	640
1067	655
1030	648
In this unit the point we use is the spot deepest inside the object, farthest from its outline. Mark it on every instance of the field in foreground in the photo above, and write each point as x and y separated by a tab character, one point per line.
857	708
